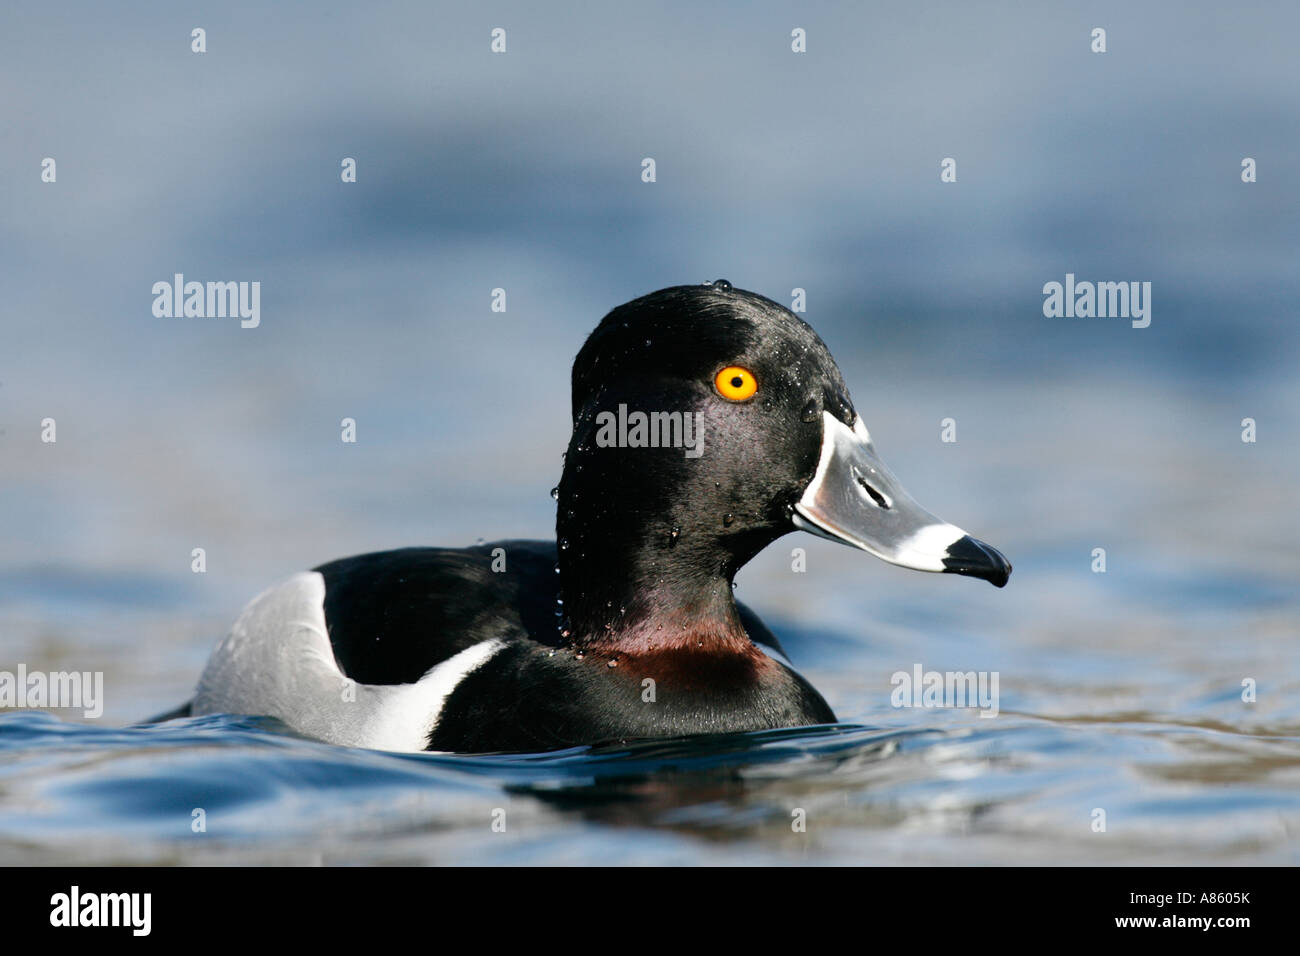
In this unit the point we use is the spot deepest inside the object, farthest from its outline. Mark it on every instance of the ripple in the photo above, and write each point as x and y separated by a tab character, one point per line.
1018	788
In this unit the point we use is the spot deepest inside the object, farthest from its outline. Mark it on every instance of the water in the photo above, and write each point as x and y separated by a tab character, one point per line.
1018	791
1120	691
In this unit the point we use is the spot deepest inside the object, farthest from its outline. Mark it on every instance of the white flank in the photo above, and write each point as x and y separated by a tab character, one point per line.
277	661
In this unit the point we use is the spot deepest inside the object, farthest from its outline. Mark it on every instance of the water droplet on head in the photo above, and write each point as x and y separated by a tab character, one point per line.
673	536
810	411
564	546
721	284
555	493
728	518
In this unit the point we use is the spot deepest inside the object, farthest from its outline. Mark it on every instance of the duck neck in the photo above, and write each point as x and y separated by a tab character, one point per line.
629	584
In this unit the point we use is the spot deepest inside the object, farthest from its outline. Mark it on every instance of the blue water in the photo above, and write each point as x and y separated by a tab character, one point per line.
1018	790
1120	691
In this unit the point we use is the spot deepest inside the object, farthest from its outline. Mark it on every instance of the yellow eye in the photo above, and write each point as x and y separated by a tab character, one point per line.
735	383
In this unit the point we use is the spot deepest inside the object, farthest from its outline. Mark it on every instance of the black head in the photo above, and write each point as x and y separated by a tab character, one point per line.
707	422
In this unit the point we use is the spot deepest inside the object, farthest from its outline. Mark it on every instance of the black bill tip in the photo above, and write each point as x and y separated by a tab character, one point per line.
977	560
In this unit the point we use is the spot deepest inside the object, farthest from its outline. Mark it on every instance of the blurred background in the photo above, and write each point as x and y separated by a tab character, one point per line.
775	170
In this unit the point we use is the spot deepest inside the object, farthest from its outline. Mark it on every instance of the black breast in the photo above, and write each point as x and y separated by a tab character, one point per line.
530	698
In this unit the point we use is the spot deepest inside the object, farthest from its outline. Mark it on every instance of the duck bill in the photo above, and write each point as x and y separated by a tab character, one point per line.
855	500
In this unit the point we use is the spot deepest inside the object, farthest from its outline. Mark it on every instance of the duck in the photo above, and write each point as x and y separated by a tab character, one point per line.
708	421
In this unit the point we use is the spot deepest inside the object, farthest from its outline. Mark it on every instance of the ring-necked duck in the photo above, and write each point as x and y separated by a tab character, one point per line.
627	627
